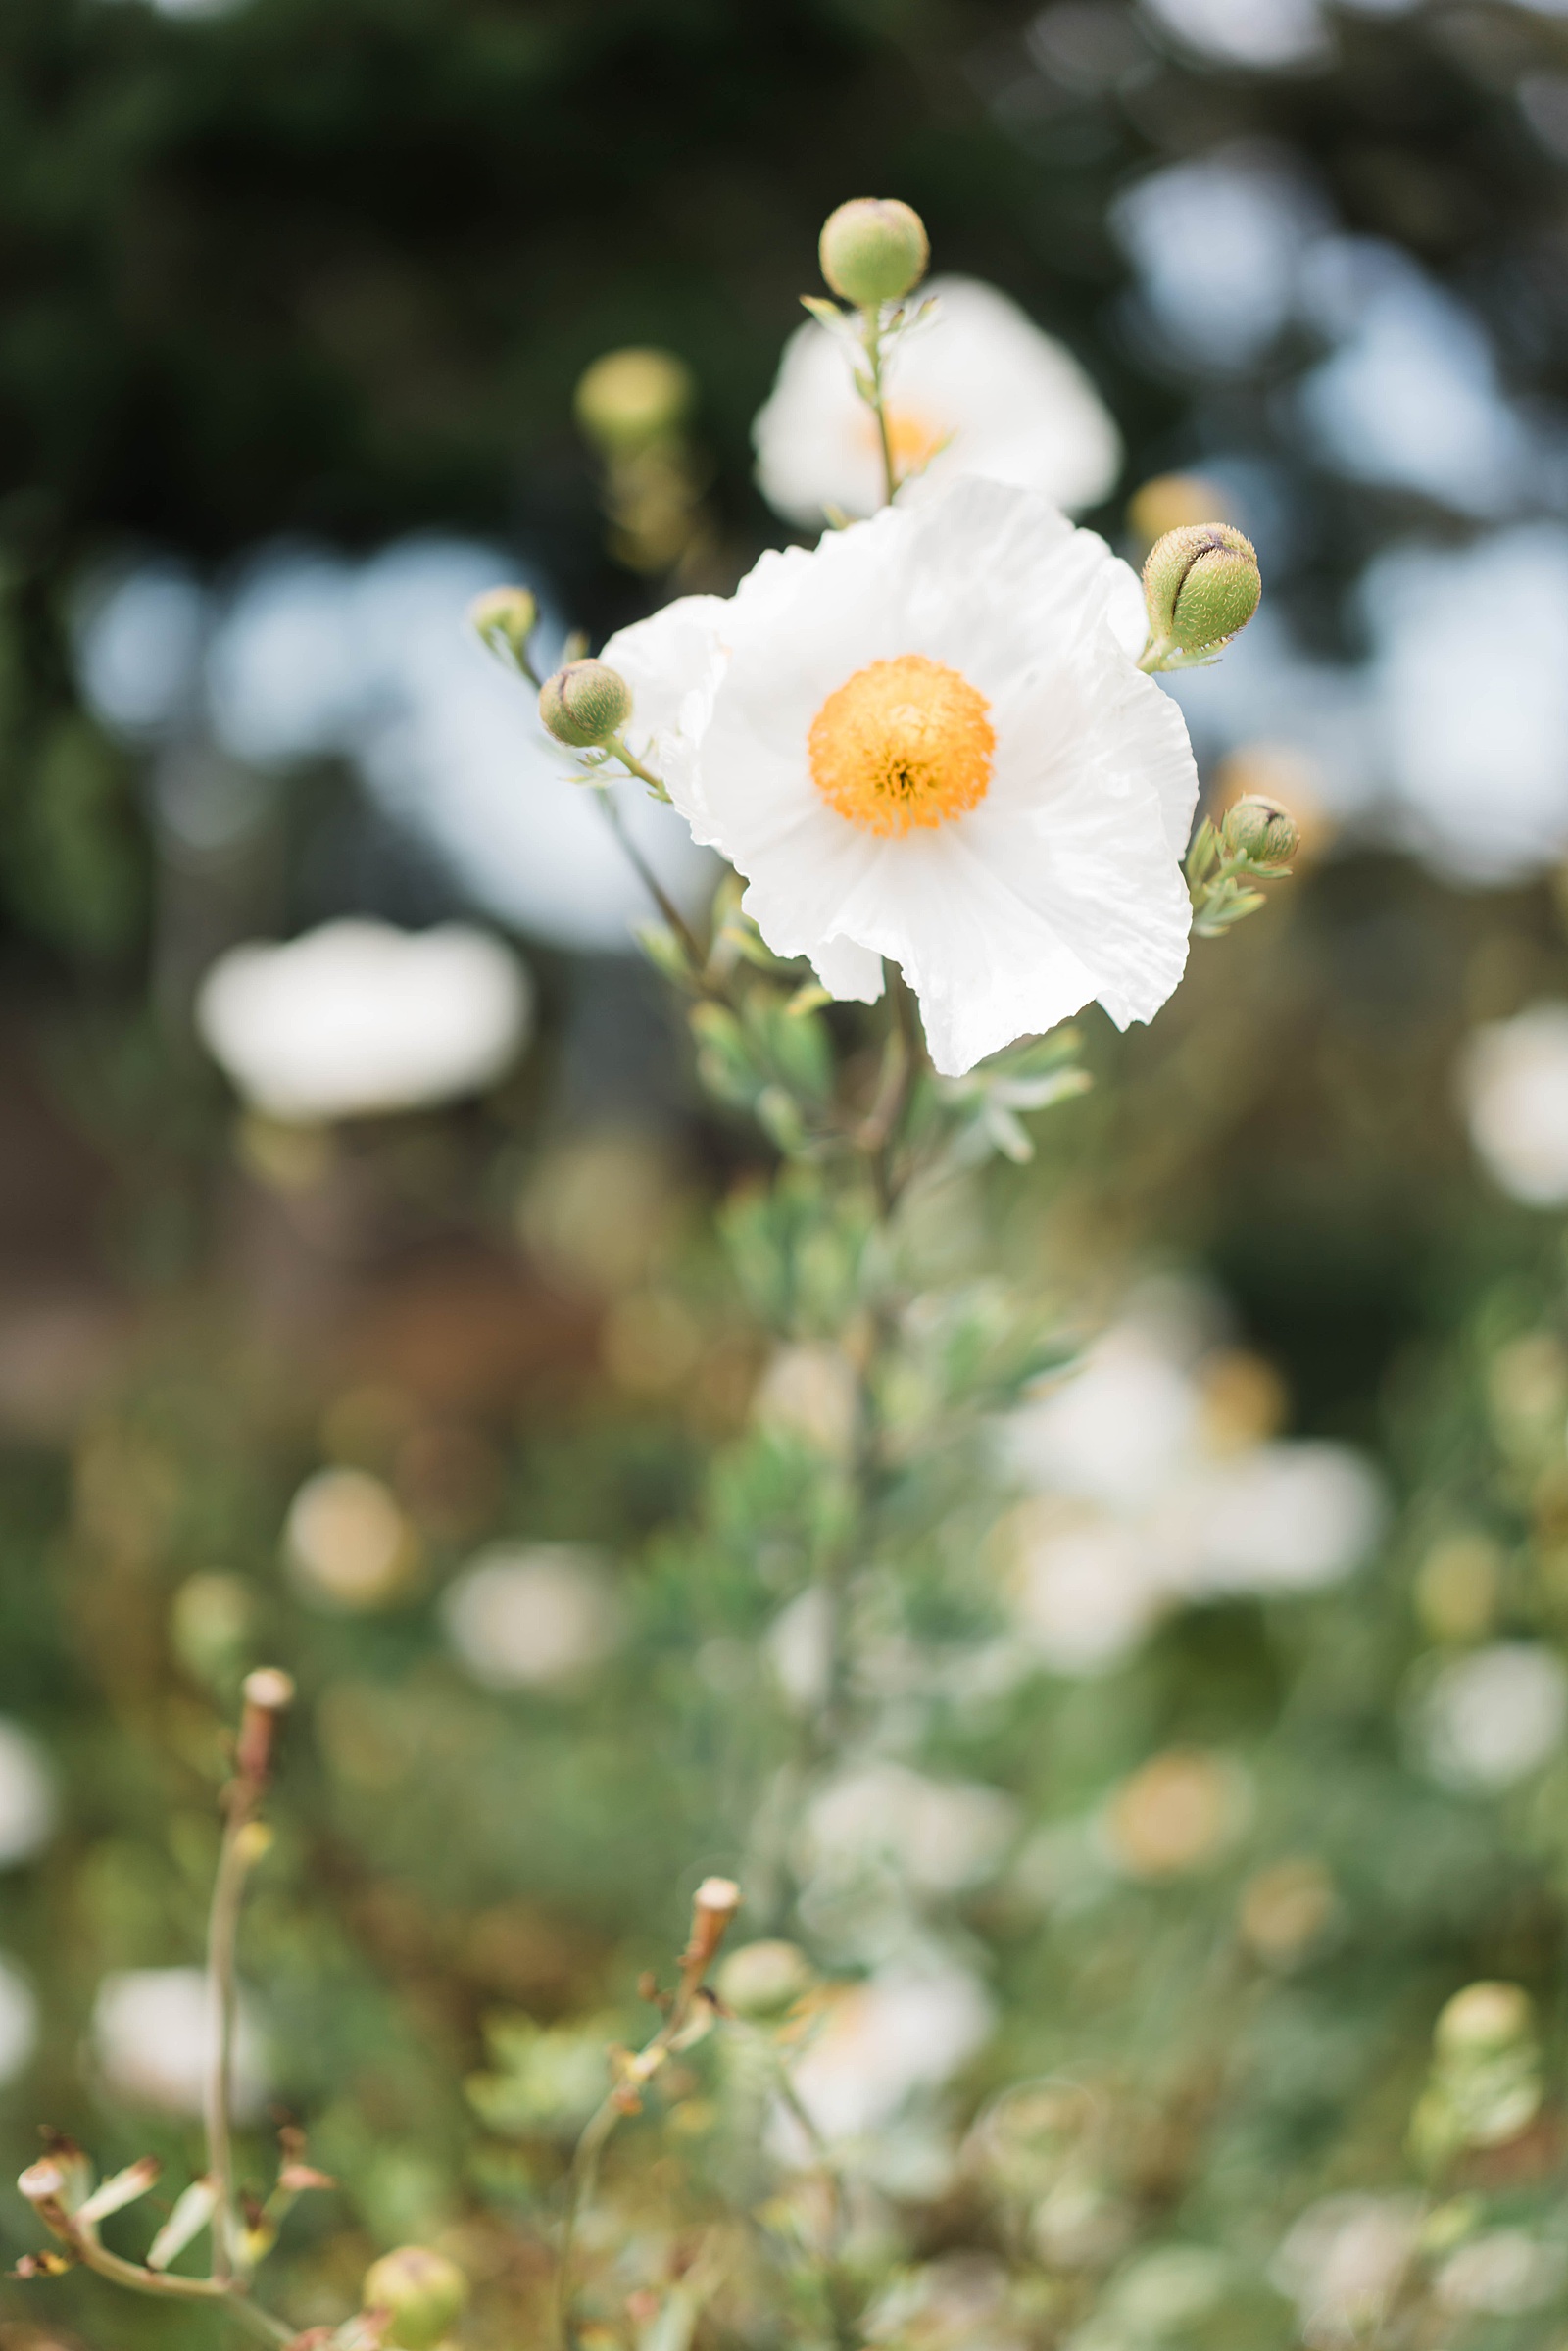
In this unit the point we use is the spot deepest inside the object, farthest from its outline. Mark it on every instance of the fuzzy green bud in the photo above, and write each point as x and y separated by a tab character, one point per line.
1260	828
423	2293
873	249
505	618
764	1979
1202	584
585	703
1485	2020
629	399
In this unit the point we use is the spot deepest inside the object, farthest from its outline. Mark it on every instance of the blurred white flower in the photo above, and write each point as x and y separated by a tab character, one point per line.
1086	1590
531	1617
979	389
154	2031
29	1804
798	1642
1514	1086
939	1835
1116	1430
358	1018
886	2039
18	2020
1503	2273
1247	32
1470	698
346	1541
1286	1516
1495	1717
1343	2262
927	739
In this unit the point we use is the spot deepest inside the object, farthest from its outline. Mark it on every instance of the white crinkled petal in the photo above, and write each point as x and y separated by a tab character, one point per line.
672	663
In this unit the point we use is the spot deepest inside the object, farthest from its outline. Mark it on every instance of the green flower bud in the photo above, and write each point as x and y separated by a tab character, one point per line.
1200	584
1485	2020
873	249
506	618
585	703
424	2291
764	1978
630	398
1260	828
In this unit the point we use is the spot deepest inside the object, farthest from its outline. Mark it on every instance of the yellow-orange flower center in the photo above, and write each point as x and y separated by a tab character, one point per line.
902	743
913	438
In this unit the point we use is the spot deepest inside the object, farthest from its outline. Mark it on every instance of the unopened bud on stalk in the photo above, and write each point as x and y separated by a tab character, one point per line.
1200	584
1485	2020
506	618
267	1694
1260	829
873	249
764	1979
423	2292
584	704
629	399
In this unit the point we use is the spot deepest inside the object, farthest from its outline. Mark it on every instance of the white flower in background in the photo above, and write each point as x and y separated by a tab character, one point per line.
1495	1717
1514	1086
979	389
18	2020
1282	1517
1116	1431
1343	2262
800	1644
928	740
532	1617
347	1544
1086	1591
29	1805
153	2036
358	1019
882	2040
809	1391
1503	2273
940	1836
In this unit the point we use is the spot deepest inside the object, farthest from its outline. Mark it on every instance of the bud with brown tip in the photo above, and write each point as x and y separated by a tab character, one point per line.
506	618
423	2293
1200	584
873	250
268	1694
1260	829
714	1906
585	704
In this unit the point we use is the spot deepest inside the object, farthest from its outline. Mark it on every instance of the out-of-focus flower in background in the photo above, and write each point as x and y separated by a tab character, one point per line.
1343	2262
359	1018
900	2031
28	1803
977	389
1491	1719
1514	1085
1260	33
154	2031
535	1616
937	1836
1216	243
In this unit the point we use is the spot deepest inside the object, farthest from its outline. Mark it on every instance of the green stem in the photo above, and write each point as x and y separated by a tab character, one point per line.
646	874
222	1931
871	335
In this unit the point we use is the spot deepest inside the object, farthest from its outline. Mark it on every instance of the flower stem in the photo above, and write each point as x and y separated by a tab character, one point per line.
871	335
647	876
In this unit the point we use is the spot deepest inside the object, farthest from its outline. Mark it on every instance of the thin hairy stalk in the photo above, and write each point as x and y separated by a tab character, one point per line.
715	1904
871	331
646	874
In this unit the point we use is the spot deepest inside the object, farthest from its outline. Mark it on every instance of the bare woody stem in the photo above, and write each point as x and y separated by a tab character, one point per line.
715	1905
267	1696
42	2185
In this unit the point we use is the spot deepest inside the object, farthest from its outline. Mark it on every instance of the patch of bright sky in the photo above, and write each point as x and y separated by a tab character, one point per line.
308	655
1247	32
1218	244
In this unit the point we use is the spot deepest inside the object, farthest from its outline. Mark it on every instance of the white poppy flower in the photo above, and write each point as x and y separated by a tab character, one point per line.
535	1616
928	738
1514	1085
359	1018
153	2035
28	1803
1495	1716
979	389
